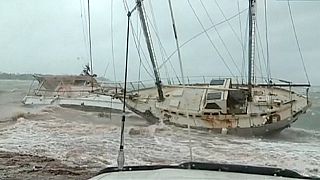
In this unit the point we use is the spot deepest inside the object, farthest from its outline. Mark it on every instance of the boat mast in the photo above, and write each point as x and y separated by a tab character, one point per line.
251	46
177	42
150	48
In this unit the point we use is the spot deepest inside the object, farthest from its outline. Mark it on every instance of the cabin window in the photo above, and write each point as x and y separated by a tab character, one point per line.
216	82
79	82
214	96
212	106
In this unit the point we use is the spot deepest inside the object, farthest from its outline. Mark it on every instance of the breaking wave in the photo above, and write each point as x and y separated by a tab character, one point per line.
298	135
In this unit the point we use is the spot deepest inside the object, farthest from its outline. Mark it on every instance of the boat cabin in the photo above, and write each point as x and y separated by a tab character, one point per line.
221	99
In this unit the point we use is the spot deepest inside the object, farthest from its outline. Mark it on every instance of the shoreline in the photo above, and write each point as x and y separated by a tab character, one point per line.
15	165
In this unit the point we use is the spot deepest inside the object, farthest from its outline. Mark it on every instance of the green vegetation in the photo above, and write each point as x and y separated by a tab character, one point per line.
15	76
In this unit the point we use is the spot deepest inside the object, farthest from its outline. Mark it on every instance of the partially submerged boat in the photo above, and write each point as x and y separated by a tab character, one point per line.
76	91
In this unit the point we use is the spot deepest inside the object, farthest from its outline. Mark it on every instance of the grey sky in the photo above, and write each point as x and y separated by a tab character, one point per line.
46	36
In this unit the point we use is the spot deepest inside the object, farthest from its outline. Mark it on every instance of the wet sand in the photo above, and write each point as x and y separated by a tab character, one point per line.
24	166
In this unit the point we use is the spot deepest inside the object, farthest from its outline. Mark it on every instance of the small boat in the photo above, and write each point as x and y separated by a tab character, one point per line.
75	91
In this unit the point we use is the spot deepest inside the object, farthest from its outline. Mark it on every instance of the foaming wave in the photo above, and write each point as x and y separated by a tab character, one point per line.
298	135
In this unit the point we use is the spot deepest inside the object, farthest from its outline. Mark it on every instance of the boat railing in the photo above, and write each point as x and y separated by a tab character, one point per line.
196	80
110	87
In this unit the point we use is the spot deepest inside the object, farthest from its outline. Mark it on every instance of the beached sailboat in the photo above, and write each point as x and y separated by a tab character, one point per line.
191	105
222	105
82	91
76	91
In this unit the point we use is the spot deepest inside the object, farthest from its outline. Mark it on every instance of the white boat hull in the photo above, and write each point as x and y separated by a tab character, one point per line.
93	102
258	119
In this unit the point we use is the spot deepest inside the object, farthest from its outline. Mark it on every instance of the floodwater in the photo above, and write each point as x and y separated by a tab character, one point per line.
90	140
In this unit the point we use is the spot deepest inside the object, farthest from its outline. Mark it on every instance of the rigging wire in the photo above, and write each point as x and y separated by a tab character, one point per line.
258	55
90	44
112	44
265	63
244	72
267	41
241	37
139	50
105	71
199	34
157	36
140	61
137	38
148	21
137	47
84	25
297	41
164	51
211	42
220	37
156	30
224	16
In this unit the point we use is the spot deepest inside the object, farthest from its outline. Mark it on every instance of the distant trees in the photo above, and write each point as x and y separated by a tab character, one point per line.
16	76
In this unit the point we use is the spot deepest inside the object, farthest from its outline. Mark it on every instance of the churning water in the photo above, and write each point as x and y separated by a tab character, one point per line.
90	140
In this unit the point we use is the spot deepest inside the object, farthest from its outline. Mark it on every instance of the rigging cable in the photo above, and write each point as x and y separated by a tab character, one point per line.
140	61
105	71
126	7
214	46
241	38
297	41
224	16
265	63
134	35
84	25
258	55
90	44
112	45
199	34
220	37
138	47
267	42
245	41
156	30
165	53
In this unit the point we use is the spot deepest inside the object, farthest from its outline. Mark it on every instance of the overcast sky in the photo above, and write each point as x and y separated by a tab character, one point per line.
50	36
